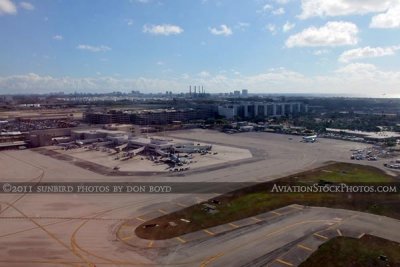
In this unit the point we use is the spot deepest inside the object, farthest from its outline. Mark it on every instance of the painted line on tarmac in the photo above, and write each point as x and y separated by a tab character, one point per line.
199	199
321	236
233	225
127	237
181	205
162	211
208	232
304	247
284	262
140	219
339	232
180	239
256	219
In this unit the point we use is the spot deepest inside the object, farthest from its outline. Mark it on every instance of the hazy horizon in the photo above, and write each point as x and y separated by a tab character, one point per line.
266	46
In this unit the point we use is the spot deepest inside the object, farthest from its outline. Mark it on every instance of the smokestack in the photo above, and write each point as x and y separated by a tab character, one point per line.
195	89
190	90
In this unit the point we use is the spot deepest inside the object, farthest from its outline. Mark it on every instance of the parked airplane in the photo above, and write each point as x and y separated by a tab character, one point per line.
310	139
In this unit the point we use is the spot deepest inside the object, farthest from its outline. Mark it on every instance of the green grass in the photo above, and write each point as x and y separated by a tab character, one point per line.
343	173
352	252
257	199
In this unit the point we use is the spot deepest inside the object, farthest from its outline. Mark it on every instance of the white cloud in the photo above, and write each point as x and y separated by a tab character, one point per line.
160	63
390	19
129	22
330	8
242	25
271	28
100	48
44	84
321	52
26	5
288	26
222	30
204	74
7	7
282	2
163	29
278	11
367	52
58	37
265	8
357	78
333	33
357	68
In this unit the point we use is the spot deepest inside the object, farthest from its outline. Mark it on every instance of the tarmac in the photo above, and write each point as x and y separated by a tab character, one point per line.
81	229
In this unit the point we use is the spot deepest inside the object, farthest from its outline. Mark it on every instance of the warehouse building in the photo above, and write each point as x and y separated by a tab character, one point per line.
166	116
109	117
148	117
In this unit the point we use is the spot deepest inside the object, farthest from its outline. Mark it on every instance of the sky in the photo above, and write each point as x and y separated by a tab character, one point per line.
347	47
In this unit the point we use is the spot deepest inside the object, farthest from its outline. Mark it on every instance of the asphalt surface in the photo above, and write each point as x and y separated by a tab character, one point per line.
80	229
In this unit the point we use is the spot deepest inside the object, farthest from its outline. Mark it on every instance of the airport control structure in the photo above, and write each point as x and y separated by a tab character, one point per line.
126	146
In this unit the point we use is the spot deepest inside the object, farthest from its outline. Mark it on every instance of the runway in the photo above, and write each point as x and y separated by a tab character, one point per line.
80	229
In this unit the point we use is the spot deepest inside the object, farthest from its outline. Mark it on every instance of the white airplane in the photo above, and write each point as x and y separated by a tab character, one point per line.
310	139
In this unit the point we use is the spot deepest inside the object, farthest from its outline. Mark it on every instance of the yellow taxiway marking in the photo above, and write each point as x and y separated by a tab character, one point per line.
208	232
361	235
127	237
211	259
150	244
339	232
320	236
52	262
297	207
162	211
140	219
50	234
233	225
284	262
200	199
181	239
256	219
215	257
181	205
304	247
276	213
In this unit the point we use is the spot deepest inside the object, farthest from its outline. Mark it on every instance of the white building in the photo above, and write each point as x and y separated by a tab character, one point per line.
251	110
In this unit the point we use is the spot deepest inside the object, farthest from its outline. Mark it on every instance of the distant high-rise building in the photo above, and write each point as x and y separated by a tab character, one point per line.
236	93
245	92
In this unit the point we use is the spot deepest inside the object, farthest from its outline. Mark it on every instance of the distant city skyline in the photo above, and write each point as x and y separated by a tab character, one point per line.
266	46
